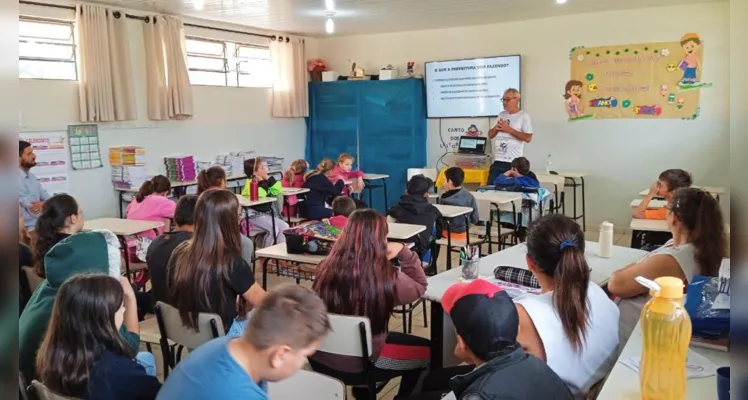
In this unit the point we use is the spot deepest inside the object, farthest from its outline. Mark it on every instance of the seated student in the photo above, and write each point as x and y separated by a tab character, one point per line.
285	329
697	248
321	190
257	169
159	252
456	195
572	324
414	208
61	217
198	280
668	182
343	170
215	178
486	322
294	178
357	278
342	207
519	175
151	204
83	355
84	252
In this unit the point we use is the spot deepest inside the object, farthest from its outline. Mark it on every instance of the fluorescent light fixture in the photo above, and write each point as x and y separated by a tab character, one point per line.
560	1
199	5
330	5
330	26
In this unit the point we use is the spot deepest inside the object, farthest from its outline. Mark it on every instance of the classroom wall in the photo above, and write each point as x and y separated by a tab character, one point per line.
621	157
226	119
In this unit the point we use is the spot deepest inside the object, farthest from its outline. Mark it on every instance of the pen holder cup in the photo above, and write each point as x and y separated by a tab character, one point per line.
469	269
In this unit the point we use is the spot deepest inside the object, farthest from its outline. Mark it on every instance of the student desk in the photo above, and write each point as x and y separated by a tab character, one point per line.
121	228
714	190
495	201
653	205
368	178
292	192
623	382
442	331
639	226
245	203
448	212
558	196
576	180
398	231
178	188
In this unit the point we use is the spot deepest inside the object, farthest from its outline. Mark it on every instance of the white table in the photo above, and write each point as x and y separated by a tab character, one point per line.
623	382
398	231
121	228
442	331
499	201
638	226
716	191
653	204
245	203
286	191
452	211
278	252
369	186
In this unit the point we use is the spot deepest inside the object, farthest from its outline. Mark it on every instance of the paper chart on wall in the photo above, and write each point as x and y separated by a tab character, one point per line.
51	160
84	146
651	80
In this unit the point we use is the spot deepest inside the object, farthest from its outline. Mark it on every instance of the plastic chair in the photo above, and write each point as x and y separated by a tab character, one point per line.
307	385
173	332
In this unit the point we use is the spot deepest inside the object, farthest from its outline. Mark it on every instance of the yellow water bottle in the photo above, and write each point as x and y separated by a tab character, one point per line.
666	333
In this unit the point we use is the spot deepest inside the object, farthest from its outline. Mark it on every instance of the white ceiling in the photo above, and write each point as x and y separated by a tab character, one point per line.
377	16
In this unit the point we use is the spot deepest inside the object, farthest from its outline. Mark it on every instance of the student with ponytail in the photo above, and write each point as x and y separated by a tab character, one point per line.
60	218
697	248
213	177
321	191
294	178
571	324
256	169
151	204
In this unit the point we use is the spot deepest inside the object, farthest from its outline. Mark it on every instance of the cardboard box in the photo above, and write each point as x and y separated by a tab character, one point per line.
329	76
387	74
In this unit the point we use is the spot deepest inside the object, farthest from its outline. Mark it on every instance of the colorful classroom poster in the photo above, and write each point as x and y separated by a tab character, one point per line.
453	128
51	160
84	146
652	80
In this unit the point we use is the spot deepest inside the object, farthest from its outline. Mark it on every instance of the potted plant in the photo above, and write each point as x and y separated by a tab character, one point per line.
316	67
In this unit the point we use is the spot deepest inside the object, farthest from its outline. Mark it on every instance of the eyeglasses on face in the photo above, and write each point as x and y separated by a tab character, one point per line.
507	99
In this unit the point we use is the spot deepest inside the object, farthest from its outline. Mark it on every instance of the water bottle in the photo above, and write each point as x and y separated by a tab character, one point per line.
548	165
666	333
254	190
605	243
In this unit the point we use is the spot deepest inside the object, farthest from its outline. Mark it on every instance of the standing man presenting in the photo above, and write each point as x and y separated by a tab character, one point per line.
513	128
32	195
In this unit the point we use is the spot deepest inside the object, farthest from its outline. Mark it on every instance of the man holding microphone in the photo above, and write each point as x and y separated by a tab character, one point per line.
513	128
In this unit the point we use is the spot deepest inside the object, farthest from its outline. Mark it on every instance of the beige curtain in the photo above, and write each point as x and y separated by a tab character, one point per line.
290	99
169	89
105	84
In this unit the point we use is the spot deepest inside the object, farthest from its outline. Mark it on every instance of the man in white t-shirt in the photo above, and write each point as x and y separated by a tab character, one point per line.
513	128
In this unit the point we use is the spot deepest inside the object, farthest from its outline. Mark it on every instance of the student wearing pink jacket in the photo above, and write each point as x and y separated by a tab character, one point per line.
344	171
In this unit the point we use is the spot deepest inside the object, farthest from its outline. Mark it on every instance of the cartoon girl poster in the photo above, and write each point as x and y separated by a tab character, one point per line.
573	98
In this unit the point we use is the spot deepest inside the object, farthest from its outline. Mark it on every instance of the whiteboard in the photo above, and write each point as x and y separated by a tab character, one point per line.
469	88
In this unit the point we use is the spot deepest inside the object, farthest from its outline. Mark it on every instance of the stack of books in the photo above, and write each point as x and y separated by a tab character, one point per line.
180	168
128	166
274	164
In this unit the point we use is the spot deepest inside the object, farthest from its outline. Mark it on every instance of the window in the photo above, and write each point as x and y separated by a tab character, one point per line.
46	49
218	63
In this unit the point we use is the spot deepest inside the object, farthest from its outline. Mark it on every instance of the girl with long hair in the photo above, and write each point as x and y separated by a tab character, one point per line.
61	217
256	169
208	273
294	178
321	190
572	325
697	248
343	170
83	354
150	204
215	178
357	278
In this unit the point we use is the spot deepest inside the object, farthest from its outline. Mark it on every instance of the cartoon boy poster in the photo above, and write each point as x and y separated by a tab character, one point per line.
690	64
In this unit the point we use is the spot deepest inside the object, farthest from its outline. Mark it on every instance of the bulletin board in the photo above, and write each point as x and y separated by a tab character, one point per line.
84	146
651	81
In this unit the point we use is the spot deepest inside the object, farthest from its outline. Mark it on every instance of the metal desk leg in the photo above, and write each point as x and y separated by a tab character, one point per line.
386	207
449	245
437	336
265	273
246	221
126	254
370	196
121	200
584	211
272	215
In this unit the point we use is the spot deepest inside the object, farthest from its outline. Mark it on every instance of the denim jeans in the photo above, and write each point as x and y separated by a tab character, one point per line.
238	326
148	361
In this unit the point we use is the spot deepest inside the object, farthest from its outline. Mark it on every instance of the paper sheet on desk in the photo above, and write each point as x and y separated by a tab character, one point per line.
697	366
512	289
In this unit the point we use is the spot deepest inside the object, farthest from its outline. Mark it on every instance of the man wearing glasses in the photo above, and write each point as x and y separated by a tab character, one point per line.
513	128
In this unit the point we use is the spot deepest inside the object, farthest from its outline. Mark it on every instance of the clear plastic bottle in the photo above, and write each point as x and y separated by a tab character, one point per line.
548	163
666	333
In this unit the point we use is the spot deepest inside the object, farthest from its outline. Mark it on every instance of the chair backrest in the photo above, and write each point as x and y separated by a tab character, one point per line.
171	327
33	279
44	393
430	173
307	385
349	336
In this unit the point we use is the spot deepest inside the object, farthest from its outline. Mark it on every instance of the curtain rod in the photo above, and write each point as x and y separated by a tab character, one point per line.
148	19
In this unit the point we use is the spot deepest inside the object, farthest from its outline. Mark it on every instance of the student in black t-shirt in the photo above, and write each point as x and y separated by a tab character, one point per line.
208	273
159	252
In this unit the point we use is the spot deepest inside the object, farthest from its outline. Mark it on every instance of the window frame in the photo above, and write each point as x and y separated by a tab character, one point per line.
231	59
50	41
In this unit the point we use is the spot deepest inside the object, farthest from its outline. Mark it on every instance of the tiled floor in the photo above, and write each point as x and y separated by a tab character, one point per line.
390	390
